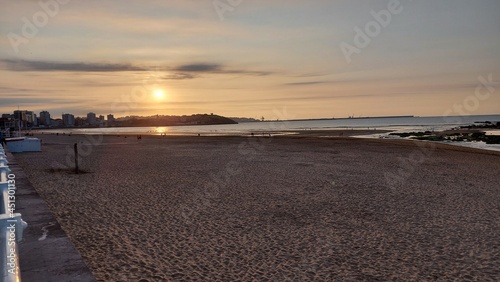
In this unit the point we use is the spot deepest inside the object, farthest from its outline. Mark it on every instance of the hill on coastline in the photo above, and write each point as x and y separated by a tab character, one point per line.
163	120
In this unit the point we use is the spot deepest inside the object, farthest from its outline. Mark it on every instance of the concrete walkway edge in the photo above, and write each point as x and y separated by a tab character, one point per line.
45	253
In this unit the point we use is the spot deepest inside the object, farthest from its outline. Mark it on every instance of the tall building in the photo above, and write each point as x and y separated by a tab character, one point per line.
35	120
57	122
21	119
80	121
45	118
7	123
68	120
91	118
101	121
31	119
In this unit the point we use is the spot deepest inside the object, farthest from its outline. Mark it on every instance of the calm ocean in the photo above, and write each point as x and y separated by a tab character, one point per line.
397	124
390	123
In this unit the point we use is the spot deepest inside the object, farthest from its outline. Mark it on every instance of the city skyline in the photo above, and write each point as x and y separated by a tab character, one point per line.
251	59
49	113
29	119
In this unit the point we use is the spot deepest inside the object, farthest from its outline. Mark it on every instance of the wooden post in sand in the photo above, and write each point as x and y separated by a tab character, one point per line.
77	170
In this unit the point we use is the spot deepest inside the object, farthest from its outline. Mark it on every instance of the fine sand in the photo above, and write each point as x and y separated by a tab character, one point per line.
274	209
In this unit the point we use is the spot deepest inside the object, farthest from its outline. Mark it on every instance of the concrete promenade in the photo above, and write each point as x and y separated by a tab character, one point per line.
46	253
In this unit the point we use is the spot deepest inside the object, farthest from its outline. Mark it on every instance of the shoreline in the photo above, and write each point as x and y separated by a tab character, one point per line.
347	132
318	134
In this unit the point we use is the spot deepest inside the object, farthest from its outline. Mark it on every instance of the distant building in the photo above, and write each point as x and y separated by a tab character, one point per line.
20	115
35	121
21	119
110	121
80	121
68	120
31	119
91	118
7	123
25	119
30	116
57	122
100	121
45	118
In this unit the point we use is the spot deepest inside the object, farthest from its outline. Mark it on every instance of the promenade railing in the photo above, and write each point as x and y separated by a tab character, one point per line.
11	224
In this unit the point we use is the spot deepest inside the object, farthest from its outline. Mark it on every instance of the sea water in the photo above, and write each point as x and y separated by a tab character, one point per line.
394	124
399	124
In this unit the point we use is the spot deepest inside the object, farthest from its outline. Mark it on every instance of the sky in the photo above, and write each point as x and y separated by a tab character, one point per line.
251	58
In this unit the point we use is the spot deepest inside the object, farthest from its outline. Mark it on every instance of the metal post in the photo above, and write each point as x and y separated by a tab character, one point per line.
77	170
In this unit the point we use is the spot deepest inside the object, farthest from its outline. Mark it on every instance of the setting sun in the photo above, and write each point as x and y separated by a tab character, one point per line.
159	94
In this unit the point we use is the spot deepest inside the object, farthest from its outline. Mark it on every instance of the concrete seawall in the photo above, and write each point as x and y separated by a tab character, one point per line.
46	253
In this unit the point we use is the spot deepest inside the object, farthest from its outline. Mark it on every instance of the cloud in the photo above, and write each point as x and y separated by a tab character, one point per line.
7	92
33	101
217	69
184	70
305	83
313	74
179	76
4	89
22	65
199	68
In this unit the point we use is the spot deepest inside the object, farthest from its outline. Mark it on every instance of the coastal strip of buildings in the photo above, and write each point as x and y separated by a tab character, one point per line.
25	120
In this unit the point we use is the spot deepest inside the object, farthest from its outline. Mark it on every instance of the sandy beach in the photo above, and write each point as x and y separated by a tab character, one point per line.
299	208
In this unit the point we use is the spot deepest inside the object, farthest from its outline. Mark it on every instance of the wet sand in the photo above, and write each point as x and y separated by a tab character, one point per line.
296	208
